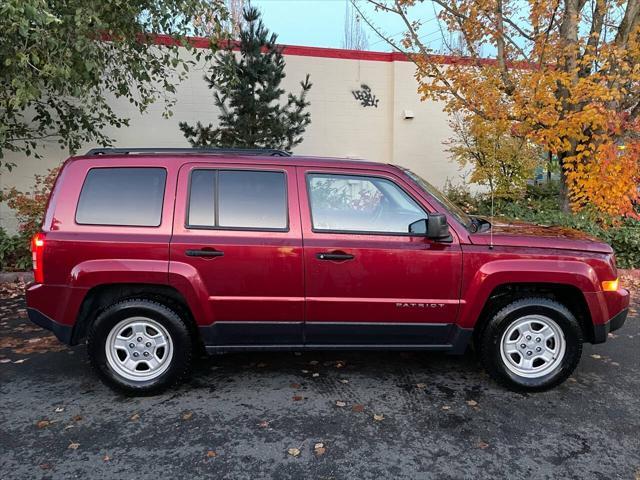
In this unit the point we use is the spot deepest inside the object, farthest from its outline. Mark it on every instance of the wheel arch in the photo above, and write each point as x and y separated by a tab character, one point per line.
100	297
566	294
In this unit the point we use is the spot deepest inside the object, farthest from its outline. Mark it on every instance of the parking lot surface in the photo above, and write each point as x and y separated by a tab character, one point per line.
320	415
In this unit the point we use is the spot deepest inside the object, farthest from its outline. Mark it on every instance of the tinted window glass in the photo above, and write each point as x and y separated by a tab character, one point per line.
202	198
252	199
360	204
244	199
122	196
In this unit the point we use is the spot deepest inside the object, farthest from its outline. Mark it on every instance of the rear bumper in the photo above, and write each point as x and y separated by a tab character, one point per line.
55	308
63	332
600	332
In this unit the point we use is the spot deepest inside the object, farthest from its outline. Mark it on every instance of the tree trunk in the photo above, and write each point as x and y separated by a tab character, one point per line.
563	198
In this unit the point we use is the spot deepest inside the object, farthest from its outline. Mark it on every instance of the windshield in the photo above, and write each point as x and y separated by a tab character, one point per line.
456	211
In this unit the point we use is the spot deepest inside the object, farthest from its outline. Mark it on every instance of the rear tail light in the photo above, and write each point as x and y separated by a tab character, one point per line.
37	254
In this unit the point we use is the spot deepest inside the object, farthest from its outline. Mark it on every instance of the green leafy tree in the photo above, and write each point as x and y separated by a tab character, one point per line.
247	94
498	160
62	60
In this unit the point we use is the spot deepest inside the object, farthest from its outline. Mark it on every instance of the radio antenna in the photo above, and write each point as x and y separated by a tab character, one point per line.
491	226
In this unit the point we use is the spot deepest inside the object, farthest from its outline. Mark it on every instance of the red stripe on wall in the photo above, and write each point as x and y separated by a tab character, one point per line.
345	54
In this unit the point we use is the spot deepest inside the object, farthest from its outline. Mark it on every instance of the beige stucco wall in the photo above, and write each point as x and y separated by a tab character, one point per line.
340	125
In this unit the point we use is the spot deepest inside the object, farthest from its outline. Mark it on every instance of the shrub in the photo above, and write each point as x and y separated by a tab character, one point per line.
29	207
15	253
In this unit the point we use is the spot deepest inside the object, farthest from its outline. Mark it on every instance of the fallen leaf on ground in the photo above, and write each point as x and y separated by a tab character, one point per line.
340	403
263	424
77	418
358	408
295	385
472	403
187	415
421	385
294	452
135	417
344	380
446	407
211	454
43	424
45	466
73	446
59	409
340	364
106	458
378	417
483	445
319	449
297	398
615	364
596	356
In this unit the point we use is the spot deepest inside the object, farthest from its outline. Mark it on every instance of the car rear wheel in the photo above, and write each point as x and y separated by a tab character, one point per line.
531	344
140	347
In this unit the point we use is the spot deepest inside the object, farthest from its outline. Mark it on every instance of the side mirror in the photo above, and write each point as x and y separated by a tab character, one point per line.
435	227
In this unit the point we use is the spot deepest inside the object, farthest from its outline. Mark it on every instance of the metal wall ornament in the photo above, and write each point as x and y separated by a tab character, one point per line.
365	96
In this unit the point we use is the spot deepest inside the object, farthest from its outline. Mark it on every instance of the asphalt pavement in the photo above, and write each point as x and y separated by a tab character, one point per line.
315	415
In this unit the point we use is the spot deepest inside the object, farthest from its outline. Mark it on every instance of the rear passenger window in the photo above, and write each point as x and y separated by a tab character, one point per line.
238	199
122	196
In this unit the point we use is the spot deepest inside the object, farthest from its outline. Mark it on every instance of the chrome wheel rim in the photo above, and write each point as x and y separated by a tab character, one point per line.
139	349
533	346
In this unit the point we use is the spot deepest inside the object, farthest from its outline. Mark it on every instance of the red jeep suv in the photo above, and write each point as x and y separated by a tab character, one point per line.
153	255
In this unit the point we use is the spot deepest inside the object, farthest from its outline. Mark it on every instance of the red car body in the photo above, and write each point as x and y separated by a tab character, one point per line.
270	289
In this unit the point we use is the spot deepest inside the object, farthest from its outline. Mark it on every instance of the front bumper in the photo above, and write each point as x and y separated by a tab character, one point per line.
63	332
600	332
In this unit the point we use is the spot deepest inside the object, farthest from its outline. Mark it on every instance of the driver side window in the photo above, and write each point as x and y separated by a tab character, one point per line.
353	203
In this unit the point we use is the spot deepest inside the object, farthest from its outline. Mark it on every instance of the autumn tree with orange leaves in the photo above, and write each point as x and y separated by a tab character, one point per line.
563	74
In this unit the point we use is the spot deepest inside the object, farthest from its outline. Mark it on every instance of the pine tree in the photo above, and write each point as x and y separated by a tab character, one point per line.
247	93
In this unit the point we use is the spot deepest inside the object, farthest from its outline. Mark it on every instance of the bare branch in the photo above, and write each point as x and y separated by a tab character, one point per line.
518	29
597	23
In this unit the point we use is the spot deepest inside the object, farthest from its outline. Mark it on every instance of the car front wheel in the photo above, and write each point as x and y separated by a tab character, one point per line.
531	344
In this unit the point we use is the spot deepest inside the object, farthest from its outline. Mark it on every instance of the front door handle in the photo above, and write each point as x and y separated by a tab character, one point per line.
204	253
334	256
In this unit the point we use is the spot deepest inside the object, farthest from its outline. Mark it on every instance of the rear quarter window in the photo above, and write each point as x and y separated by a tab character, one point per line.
128	196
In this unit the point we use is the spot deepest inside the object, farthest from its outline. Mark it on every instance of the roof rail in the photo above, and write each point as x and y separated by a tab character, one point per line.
235	151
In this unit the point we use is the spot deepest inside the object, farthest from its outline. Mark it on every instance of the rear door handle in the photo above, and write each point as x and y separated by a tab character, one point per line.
334	256
204	253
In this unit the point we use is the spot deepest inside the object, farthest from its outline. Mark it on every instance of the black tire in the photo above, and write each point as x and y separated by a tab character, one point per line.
179	365
490	341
